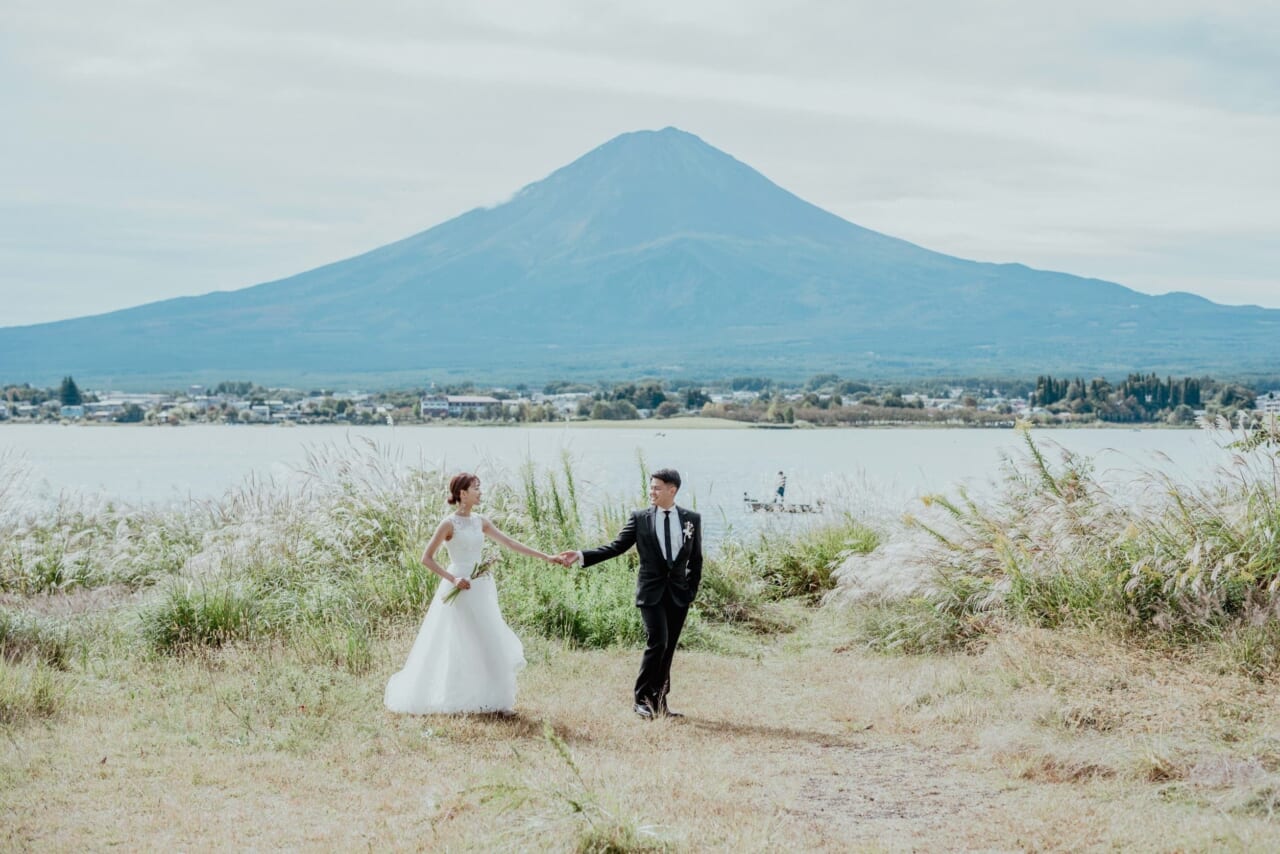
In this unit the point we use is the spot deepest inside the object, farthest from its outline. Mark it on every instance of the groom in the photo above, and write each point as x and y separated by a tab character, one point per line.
668	540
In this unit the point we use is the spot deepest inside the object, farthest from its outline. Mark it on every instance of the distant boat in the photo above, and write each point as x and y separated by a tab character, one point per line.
781	506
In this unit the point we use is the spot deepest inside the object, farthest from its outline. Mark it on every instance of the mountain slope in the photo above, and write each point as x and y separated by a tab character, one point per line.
653	253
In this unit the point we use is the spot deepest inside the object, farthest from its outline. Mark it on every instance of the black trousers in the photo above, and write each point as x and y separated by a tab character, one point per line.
662	625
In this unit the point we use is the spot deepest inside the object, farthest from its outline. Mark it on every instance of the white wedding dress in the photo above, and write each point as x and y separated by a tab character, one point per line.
465	658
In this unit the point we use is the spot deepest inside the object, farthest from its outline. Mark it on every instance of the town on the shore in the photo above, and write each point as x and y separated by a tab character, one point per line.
822	400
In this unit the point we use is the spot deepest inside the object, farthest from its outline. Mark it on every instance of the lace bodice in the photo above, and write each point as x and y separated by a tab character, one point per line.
466	543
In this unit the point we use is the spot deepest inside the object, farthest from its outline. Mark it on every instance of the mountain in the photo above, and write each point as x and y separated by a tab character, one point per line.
654	254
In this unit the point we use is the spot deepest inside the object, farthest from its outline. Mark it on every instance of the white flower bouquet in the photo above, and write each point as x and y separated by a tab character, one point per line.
485	567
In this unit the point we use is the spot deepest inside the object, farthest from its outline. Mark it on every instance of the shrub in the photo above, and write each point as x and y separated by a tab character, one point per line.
25	637
588	608
1189	563
201	615
917	626
79	544
28	693
796	565
343	642
1251	648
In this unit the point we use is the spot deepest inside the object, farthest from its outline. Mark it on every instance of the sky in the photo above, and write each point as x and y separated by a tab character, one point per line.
151	150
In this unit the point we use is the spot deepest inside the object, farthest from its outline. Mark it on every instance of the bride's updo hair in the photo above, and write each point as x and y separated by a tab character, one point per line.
460	483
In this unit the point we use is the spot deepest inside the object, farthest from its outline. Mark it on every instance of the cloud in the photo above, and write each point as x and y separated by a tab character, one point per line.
166	149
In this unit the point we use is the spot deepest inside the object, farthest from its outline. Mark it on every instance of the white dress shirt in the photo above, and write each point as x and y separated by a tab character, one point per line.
677	536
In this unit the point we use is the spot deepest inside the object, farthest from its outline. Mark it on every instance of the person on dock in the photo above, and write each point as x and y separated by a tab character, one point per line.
780	490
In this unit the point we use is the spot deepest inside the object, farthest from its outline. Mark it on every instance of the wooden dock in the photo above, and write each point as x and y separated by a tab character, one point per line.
780	506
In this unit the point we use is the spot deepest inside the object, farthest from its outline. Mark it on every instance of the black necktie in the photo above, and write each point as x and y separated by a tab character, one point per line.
666	533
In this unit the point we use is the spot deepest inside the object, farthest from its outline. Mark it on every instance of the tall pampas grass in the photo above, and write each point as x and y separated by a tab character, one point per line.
1183	563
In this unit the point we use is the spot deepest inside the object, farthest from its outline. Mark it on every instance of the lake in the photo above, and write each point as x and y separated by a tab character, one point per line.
873	471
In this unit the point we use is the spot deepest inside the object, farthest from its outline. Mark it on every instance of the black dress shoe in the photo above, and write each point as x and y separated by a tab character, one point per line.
671	714
643	710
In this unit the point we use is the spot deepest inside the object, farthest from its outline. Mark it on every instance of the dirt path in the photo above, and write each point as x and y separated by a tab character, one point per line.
896	792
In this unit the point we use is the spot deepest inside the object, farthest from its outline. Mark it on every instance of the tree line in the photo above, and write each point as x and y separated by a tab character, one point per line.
1139	397
825	398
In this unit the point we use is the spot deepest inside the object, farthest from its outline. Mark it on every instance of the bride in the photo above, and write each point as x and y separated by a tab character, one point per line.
465	658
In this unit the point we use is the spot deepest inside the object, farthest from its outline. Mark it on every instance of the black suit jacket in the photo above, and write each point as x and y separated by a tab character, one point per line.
656	577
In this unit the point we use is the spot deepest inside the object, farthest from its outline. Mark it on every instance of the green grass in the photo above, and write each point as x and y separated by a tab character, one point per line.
917	626
207	614
336	563
29	692
1195	565
26	637
83	542
785	566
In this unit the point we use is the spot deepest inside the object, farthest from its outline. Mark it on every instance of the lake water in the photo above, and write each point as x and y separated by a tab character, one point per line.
873	471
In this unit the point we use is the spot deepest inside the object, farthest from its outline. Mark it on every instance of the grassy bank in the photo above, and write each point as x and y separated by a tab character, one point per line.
1191	568
332	567
1014	688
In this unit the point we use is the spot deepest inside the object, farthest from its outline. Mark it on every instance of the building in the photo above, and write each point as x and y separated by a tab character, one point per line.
565	403
103	410
1268	403
435	406
458	405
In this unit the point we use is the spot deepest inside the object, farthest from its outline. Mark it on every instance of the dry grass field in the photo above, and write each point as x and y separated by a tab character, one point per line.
1043	741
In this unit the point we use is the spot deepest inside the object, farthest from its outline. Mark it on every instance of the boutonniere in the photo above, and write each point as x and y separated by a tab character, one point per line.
688	530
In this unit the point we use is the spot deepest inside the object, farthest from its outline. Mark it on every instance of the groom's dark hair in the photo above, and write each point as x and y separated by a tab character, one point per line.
668	476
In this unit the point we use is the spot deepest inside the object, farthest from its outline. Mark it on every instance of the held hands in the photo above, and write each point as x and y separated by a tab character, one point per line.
462	583
565	559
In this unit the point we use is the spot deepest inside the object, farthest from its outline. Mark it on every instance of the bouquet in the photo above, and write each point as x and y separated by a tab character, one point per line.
483	569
